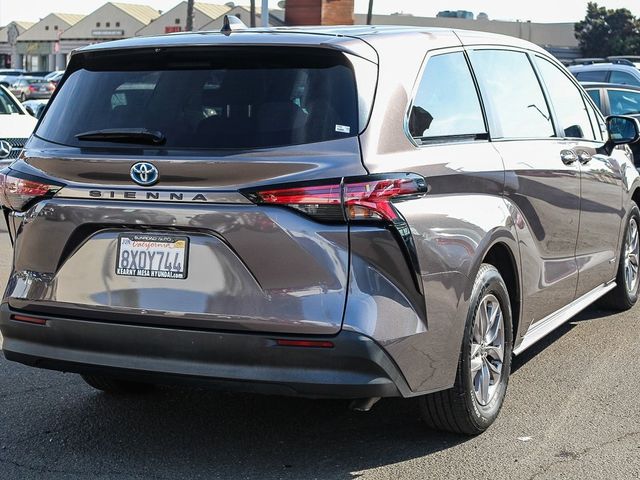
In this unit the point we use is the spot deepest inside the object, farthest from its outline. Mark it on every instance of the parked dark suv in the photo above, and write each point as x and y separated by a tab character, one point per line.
359	212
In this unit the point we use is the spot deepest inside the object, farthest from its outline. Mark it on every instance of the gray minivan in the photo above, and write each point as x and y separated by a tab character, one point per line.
353	212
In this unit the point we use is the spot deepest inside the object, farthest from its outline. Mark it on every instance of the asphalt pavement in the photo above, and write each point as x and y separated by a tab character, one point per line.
572	411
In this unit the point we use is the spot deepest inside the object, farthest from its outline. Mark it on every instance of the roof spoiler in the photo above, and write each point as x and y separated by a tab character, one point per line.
231	23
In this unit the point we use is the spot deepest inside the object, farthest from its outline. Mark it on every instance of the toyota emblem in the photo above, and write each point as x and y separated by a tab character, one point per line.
144	173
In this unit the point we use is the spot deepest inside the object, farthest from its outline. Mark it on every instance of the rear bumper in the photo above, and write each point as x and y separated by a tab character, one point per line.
355	367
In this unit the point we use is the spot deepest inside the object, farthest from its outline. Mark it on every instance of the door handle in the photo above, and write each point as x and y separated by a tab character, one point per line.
568	157
584	157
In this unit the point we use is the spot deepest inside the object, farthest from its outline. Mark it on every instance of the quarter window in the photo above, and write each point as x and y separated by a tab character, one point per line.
567	101
512	92
623	78
446	103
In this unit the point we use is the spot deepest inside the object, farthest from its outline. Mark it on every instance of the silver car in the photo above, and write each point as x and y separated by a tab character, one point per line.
354	212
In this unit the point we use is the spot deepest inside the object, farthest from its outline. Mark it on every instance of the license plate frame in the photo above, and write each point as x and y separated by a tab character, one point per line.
164	260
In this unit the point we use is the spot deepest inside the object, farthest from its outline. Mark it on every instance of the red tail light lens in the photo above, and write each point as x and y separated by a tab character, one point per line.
281	342
18	193
352	199
321	201
372	200
33	88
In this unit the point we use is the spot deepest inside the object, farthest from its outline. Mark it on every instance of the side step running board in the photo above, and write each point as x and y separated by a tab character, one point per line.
548	324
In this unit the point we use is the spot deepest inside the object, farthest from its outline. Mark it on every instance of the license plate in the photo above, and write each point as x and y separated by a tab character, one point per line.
155	256
43	89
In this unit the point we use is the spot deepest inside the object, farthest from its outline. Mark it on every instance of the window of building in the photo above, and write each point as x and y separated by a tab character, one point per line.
98	24
108	24
513	94
55	27
46	27
177	21
446	102
567	101
117	24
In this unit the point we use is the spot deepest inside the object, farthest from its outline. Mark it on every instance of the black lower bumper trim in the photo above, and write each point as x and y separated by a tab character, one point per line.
355	367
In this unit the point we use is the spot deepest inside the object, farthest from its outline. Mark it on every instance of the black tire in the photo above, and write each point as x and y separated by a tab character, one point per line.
622	297
116	386
23	97
458	409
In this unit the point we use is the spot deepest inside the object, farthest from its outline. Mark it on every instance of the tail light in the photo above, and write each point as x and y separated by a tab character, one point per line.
349	199
32	88
19	191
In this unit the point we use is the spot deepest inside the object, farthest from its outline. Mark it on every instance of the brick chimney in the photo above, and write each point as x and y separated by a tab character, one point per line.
319	12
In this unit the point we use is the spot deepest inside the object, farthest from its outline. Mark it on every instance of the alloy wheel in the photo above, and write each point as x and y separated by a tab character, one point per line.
487	349
631	254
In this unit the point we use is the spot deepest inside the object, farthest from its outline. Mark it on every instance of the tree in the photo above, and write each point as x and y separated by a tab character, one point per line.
189	15
605	32
252	13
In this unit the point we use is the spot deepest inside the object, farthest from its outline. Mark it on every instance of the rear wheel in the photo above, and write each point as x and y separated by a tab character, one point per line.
23	97
113	385
474	402
625	295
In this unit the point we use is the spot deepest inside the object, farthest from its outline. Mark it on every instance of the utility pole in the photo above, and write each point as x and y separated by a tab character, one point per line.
370	12
265	13
253	13
189	15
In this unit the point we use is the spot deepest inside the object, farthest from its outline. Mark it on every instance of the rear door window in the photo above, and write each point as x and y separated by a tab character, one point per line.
567	101
227	98
511	91
446	103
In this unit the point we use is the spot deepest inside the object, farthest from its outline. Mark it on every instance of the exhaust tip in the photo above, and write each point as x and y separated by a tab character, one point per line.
363	404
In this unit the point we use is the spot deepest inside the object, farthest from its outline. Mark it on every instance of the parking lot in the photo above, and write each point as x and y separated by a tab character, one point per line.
571	412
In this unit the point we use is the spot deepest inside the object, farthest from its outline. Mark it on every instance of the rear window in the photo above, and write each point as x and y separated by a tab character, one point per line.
209	99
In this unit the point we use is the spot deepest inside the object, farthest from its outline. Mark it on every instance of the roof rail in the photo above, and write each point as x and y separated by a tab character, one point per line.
231	23
587	61
622	61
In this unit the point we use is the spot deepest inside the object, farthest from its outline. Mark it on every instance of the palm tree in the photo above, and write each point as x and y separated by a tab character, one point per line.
253	13
189	15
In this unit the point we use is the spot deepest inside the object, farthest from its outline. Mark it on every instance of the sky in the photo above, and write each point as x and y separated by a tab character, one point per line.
536	11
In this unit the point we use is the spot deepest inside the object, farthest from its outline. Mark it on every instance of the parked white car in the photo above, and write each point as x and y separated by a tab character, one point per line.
16	126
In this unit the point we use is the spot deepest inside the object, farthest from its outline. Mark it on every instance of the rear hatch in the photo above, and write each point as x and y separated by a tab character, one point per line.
133	201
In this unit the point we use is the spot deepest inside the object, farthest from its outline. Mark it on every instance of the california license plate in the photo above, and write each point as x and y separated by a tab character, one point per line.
156	256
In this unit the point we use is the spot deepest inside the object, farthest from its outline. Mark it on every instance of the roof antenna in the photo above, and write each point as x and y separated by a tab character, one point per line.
232	23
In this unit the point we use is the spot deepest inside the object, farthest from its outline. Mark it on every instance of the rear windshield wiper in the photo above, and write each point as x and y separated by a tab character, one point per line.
125	135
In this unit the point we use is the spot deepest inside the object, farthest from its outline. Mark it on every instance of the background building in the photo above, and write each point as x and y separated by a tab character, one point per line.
175	20
111	21
42	46
8	43
319	12
38	48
